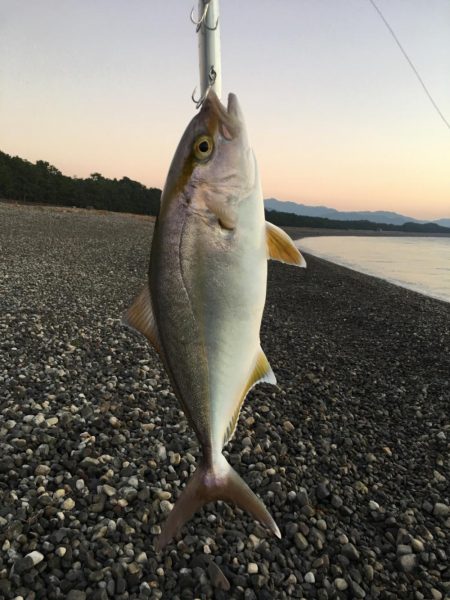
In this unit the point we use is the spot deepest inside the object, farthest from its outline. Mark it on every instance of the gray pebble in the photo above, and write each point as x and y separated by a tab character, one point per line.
407	562
441	510
350	552
340	584
309	577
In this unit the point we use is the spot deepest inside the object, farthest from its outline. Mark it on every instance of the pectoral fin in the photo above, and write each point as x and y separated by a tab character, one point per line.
262	373
224	212
140	318
281	247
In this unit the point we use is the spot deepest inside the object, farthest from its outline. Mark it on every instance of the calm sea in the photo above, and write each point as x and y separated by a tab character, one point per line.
420	264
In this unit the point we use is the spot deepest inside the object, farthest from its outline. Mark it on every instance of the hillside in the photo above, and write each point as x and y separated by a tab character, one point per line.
291	220
378	216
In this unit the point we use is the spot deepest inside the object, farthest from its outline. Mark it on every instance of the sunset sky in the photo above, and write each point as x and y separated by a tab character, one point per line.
334	112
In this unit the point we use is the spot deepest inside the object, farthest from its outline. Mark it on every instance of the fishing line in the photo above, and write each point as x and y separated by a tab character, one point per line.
411	64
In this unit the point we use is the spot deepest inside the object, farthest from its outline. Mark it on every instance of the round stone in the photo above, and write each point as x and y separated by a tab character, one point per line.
43	470
68	504
340	584
350	552
407	562
441	510
35	557
166	506
309	577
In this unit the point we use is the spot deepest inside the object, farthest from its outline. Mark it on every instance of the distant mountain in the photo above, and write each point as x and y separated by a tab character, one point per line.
285	219
443	222
377	216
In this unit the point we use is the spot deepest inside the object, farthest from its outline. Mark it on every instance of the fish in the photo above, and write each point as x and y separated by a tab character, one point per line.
202	305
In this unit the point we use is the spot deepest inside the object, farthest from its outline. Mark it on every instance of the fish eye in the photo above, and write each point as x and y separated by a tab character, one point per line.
203	147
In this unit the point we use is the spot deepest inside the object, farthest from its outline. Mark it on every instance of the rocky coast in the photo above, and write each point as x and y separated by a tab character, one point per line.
350	453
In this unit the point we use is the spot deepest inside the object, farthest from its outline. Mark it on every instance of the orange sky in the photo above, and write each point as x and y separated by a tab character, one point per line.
335	115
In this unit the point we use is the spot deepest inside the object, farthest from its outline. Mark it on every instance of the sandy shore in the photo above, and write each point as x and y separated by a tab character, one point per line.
350	454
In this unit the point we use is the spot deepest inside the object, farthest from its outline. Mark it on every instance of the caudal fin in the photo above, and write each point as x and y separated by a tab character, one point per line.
210	482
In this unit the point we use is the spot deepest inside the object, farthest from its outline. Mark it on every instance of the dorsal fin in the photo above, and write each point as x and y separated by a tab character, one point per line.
262	372
281	247
140	318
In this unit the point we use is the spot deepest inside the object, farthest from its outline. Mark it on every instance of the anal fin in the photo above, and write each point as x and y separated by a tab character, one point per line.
262	373
140	318
281	247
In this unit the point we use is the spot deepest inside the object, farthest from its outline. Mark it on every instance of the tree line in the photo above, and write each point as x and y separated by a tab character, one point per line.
292	220
42	183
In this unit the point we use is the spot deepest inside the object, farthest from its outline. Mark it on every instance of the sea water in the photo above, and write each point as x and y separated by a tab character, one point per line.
417	263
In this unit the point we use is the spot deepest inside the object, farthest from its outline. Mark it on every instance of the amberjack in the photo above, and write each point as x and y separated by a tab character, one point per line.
203	304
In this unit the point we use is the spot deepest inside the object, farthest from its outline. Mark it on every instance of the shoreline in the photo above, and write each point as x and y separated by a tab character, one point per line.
355	269
376	277
302	232
349	453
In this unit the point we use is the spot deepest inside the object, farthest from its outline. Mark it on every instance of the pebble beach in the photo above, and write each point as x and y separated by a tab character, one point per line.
350	453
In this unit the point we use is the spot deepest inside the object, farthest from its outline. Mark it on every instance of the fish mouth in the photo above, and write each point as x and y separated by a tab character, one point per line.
233	107
229	118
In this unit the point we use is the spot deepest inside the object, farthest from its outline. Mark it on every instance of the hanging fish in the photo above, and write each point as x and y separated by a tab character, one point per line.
203	304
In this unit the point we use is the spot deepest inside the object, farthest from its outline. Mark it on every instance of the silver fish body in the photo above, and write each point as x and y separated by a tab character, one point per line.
205	298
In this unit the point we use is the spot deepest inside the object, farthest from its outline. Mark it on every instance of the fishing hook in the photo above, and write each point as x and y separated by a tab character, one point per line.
199	23
211	80
215	26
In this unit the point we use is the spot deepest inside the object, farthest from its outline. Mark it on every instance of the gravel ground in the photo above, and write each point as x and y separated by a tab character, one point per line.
350	455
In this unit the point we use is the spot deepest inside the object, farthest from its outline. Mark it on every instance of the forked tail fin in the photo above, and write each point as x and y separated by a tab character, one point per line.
216	481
